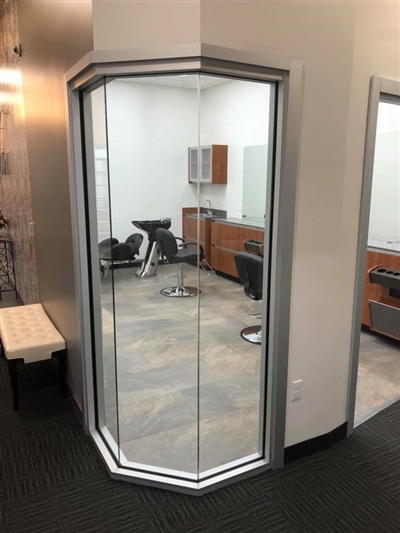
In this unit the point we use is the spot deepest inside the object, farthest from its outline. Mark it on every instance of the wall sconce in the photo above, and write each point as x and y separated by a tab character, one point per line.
3	155
3	163
17	50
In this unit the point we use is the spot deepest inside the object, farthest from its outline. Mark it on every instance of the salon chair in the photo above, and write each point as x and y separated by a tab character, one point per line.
112	252
174	253
250	270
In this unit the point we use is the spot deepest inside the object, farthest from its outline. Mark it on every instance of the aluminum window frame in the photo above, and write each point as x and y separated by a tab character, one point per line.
205	59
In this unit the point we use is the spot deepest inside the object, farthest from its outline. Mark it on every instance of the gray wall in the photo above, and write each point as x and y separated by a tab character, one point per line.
54	35
15	185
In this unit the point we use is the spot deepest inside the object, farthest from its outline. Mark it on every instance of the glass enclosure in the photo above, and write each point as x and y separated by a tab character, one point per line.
180	349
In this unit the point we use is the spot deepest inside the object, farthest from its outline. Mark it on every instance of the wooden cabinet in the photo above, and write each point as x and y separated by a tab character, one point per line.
226	241
208	164
370	289
193	232
379	293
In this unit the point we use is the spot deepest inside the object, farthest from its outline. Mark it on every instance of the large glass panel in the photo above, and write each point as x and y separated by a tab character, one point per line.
101	260
151	123
234	126
179	331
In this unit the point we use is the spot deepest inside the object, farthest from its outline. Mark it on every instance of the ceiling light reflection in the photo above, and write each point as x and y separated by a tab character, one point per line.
11	76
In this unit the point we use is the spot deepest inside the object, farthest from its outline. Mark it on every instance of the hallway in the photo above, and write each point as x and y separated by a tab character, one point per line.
53	480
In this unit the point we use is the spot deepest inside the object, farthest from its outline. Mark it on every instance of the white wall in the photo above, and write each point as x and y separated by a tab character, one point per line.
341	45
149	131
384	222
150	128
129	24
235	113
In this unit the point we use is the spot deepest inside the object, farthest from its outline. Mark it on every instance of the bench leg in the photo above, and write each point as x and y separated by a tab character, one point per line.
62	370
13	370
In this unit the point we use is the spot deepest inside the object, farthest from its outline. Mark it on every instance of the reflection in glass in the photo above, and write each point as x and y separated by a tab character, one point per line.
98	192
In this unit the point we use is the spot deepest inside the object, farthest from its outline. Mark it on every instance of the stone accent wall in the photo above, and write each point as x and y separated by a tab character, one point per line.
15	189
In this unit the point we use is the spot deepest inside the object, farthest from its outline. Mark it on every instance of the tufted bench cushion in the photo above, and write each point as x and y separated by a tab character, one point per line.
28	335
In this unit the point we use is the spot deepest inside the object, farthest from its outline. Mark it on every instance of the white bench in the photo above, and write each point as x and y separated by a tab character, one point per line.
28	335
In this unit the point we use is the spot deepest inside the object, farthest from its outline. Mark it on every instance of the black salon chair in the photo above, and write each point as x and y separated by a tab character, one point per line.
112	252
250	270
173	253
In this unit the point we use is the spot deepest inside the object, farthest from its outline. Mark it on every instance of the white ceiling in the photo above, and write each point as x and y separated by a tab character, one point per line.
183	81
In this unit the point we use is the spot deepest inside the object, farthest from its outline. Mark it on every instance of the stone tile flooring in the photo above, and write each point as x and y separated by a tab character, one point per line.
159	397
378	375
164	387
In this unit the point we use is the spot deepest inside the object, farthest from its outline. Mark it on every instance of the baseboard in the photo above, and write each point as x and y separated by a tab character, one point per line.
389	340
315	444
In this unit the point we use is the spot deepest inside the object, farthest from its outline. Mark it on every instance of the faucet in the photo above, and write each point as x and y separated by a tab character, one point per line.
209	211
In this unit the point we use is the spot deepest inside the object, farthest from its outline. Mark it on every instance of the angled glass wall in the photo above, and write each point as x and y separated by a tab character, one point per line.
179	385
179	207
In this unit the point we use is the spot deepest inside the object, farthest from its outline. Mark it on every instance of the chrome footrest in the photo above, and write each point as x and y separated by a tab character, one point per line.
179	292
252	334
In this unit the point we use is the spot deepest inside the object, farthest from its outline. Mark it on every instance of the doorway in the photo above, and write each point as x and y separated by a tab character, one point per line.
378	348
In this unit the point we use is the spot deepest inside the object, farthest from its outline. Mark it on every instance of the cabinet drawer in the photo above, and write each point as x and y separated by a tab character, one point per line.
370	290
223	260
385	319
189	229
232	237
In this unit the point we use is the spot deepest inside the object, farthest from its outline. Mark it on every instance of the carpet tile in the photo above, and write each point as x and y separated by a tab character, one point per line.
52	480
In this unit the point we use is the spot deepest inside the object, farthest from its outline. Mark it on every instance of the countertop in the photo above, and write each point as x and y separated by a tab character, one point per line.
385	243
252	222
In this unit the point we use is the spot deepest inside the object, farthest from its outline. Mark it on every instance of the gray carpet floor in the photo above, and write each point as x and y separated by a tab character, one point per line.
52	480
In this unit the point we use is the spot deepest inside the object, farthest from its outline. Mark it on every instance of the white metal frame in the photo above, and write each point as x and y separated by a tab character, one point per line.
219	61
380	88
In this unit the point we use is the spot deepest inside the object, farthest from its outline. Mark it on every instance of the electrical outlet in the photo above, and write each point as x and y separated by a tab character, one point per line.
297	388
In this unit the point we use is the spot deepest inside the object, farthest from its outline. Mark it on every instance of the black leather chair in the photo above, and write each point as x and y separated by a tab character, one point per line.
250	269
111	251
173	253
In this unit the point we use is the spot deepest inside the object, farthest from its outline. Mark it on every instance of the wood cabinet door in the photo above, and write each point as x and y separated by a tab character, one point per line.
226	241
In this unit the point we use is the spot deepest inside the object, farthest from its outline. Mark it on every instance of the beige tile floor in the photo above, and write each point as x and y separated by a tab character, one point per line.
378	382
159	398
155	378
164	387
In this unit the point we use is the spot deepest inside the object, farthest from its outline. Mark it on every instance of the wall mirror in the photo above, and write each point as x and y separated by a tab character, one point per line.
254	180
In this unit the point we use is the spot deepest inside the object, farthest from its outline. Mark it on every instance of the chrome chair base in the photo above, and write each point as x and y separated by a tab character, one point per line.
207	268
179	292
252	334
